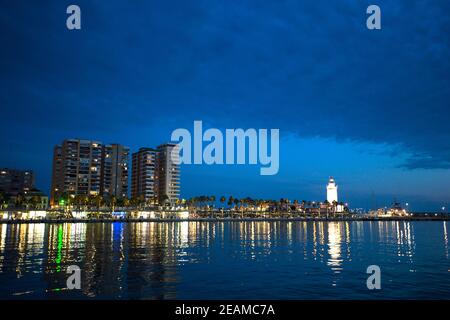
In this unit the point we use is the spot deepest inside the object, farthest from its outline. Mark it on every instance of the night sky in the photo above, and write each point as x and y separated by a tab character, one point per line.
370	108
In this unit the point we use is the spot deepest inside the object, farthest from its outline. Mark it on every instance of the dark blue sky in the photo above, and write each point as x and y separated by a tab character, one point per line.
368	107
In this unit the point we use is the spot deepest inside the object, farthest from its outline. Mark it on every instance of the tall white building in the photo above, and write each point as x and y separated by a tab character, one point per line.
155	176
332	194
143	179
86	167
77	166
115	158
168	174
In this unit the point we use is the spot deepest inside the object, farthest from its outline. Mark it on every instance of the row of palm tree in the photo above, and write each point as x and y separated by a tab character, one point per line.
208	203
20	201
83	202
203	202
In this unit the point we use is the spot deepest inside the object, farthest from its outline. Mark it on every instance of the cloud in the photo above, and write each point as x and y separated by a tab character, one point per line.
310	68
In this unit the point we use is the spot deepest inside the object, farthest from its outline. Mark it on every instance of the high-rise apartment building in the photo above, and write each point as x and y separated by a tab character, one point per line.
114	173
168	174
76	168
14	182
85	167
143	174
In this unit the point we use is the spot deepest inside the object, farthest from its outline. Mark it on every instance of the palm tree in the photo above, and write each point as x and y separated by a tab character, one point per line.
84	201
120	202
134	201
2	199
189	203
96	201
164	199
141	201
241	203
222	201
302	206
212	199
235	202
204	200
250	203
27	203
296	204
262	203
78	201
126	202
113	202
20	200
230	201
335	203
149	202
6	200
279	205
35	201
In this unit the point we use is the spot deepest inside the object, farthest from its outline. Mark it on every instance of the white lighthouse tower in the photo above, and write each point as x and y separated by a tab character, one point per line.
332	191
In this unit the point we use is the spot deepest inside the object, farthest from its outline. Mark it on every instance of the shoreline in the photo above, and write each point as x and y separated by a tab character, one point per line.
276	219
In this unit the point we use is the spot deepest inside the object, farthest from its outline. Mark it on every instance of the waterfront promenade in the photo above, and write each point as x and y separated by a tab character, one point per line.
356	217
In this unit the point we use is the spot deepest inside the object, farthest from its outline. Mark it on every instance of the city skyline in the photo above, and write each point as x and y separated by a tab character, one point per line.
373	200
369	108
154	190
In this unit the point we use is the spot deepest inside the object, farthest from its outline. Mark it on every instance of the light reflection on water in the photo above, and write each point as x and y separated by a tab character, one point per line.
225	260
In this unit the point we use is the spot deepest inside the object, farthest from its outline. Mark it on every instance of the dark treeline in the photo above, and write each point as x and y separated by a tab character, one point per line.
23	201
209	203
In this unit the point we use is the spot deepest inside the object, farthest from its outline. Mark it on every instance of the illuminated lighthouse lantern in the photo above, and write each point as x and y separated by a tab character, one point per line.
332	191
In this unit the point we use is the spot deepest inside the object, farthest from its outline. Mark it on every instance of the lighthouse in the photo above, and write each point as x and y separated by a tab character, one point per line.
332	191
